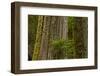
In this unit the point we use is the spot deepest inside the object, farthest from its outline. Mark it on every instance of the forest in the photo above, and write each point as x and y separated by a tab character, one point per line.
57	37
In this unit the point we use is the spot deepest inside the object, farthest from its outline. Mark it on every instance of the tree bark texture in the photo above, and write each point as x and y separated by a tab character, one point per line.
39	33
57	30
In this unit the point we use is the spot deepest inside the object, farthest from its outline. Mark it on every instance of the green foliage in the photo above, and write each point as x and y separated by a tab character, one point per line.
63	49
58	49
70	49
58	44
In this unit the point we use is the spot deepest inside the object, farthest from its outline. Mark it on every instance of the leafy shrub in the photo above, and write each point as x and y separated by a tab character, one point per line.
63	49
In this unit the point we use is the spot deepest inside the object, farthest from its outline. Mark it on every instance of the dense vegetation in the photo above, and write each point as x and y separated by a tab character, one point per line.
57	37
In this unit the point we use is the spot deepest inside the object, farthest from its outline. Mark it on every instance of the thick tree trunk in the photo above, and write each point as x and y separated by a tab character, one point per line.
38	38
64	29
45	36
58	30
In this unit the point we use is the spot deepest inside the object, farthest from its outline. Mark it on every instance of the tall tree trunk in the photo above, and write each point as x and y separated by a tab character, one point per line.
51	35
58	30
64	29
38	38
45	36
